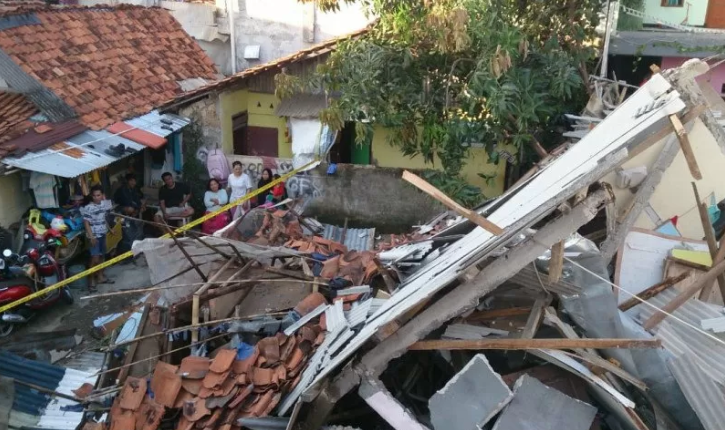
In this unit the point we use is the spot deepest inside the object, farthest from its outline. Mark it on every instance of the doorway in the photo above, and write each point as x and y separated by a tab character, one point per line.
346	151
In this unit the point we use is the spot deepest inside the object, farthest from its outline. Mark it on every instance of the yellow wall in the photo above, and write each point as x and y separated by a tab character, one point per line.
232	103
14	200
261	108
386	155
674	196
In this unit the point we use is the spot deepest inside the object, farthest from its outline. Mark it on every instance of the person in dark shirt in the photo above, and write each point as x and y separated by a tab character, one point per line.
130	198
173	199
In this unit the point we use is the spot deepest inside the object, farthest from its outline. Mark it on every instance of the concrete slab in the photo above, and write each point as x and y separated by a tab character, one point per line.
470	399
538	407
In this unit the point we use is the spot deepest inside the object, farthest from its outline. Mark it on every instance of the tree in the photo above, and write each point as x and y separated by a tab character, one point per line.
443	74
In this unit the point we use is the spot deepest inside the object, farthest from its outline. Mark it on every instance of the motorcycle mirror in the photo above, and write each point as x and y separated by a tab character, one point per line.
7	253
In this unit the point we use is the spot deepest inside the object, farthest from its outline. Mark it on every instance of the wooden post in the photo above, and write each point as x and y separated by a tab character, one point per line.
556	264
681	134
711	243
534	320
652	291
196	298
449	203
684	296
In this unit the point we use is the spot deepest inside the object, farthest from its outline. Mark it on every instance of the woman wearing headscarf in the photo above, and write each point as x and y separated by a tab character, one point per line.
264	181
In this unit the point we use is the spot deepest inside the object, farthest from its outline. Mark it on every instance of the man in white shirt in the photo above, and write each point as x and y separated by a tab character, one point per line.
94	220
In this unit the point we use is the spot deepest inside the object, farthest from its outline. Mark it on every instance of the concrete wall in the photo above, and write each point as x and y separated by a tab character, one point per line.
715	76
13	201
368	196
282	27
674	196
691	13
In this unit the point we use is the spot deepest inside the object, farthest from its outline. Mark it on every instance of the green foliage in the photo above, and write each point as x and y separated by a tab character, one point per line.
455	187
194	172
446	73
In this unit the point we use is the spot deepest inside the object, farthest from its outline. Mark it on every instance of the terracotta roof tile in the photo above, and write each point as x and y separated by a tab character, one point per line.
223	360
133	393
92	48
15	113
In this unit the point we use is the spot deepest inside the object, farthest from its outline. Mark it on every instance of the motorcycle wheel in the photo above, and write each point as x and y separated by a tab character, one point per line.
66	296
6	329
65	254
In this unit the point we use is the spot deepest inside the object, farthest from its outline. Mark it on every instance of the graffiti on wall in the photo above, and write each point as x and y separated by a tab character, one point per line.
305	186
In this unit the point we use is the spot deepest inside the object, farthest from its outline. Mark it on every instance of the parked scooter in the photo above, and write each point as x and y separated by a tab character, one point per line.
25	275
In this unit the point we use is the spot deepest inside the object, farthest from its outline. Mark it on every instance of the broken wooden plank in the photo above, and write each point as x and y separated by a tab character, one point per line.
537	313
186	253
385	273
128	359
719	256
556	263
589	355
652	291
693	113
711	242
196	299
519	344
684	296
434	192
686	147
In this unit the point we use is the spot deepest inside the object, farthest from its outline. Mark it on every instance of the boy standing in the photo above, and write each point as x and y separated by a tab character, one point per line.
94	220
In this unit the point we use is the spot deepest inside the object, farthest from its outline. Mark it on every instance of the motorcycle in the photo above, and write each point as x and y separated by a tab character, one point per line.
25	275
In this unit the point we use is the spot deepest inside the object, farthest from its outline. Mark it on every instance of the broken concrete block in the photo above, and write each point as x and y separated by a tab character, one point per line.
538	407
470	399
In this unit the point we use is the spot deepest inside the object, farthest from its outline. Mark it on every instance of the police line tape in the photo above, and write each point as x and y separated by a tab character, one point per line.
128	254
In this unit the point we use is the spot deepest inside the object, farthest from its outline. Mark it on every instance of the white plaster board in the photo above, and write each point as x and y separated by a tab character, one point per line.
641	259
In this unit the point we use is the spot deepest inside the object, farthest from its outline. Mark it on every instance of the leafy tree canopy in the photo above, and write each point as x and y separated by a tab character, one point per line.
442	74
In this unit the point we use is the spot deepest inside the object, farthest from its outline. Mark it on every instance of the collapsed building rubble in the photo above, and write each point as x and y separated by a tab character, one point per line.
475	319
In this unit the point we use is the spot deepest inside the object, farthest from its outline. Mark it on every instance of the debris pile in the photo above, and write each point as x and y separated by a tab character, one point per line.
510	316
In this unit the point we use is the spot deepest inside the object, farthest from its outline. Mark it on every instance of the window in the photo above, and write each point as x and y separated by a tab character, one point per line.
673	3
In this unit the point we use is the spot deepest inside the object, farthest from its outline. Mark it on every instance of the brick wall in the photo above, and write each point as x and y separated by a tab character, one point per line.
715	17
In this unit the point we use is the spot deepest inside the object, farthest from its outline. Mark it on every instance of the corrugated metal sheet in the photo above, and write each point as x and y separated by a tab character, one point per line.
409	251
92	146
305	319
302	106
12	21
335	317
359	313
530	279
702	393
159	124
31	403
360	289
358	239
681	339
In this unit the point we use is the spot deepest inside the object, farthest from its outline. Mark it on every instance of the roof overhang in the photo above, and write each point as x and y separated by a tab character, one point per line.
666	43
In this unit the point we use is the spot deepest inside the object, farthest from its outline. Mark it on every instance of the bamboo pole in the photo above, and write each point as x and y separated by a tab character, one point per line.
519	344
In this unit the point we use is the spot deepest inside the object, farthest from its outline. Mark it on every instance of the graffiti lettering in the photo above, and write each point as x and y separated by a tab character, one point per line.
303	186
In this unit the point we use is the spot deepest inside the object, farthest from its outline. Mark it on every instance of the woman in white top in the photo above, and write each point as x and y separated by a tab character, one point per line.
214	198
239	184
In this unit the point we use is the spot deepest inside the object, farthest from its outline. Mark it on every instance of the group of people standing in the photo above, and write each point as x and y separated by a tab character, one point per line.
239	184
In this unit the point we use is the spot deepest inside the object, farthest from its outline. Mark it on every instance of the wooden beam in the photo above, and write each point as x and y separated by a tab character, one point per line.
186	254
684	296
720	256
687	151
197	297
556	264
589	355
534	320
711	242
519	344
652	291
385	273
450	204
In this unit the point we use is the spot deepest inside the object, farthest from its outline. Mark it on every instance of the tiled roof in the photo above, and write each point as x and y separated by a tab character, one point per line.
310	53
108	64
15	112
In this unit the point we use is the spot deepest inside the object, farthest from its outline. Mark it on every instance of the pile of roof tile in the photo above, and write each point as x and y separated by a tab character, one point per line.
214	393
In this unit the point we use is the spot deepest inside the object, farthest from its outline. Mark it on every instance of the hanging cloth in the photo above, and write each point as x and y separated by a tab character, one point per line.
43	186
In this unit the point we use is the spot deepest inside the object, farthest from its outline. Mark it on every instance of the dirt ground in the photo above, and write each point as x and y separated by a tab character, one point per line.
82	313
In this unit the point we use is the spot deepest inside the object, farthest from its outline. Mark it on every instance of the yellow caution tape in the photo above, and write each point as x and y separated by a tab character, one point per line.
125	255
